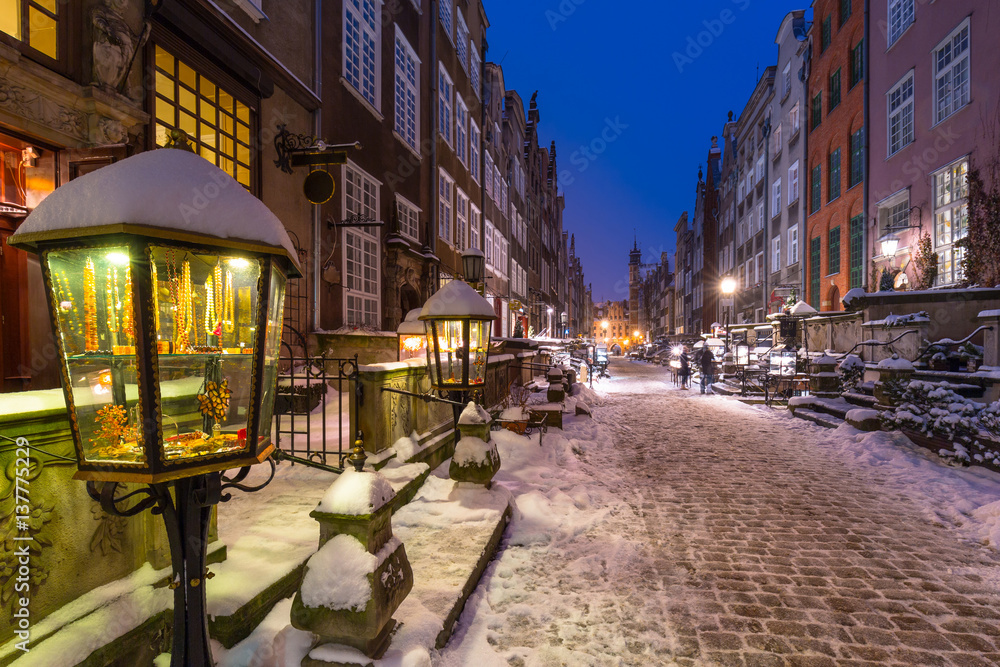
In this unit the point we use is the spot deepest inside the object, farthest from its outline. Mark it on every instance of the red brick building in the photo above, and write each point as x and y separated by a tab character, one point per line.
834	253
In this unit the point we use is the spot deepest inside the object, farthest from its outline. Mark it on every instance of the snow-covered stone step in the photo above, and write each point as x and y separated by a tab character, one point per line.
862	400
823	419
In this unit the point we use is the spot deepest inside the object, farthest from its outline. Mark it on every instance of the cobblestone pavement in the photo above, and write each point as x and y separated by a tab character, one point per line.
768	550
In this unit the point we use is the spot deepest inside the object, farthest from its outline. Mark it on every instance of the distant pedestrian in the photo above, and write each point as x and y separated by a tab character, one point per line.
685	371
707	369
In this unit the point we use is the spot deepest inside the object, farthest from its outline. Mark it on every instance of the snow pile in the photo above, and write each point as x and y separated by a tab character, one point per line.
852	294
474	451
896	363
514	414
858	415
474	414
337	575
356	494
852	362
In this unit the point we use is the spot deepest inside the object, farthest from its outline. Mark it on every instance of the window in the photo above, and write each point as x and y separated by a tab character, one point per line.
776	254
834	185
461	218
834	90
445	91
758	268
951	73
496	186
845	11
362	30
793	118
786	80
793	245
815	191
776	148
814	272
461	136
488	174
900	108
361	250
462	42
826	33
776	198
817	110
488	240
857	158
475	223
407	92
408	218
474	152
858	63
894	212
793	182
857	250
900	18
217	124
833	250
760	216
34	23
951	190
446	194
760	169
475	68
446	13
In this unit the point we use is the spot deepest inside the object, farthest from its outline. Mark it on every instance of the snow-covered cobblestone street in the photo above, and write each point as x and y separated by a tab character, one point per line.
693	530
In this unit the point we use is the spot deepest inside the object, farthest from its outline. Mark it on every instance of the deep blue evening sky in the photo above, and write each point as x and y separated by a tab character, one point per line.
607	67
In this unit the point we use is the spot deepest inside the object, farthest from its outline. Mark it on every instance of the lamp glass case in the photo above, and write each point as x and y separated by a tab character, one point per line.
782	363
742	354
205	316
92	304
447	346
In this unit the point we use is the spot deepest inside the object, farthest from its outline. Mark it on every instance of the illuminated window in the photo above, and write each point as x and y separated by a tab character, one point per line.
33	22
361	250
217	124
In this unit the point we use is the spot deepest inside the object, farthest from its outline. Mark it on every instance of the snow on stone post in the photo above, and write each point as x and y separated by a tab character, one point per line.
360	574
824	380
894	375
557	388
991	337
476	459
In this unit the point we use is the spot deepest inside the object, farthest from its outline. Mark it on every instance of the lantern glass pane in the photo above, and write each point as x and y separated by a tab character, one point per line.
205	307
479	337
272	346
451	347
742	355
411	346
91	292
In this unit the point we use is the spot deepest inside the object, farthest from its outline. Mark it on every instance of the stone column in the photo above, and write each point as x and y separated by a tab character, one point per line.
824	381
894	375
476	458
991	338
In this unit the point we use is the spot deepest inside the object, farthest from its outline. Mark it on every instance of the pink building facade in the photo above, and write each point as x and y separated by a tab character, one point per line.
934	77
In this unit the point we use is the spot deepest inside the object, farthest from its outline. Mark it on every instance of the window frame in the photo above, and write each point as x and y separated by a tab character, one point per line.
793	183
404	230
376	33
833	184
890	37
22	44
446	207
446	108
793	245
408	87
907	102
835	91
816	189
816	111
833	251
948	254
955	63
365	235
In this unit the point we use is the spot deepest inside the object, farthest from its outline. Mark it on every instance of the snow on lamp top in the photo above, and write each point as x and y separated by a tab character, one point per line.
356	494
896	363
411	324
162	189
457	299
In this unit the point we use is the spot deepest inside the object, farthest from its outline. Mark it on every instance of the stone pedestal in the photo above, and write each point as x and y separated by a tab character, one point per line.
991	338
893	376
476	458
728	364
824	380
355	527
557	390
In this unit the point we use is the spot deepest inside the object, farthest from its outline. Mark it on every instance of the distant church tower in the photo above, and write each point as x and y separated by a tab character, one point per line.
634	258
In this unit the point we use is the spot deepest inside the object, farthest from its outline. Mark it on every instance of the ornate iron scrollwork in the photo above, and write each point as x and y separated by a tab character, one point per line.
286	143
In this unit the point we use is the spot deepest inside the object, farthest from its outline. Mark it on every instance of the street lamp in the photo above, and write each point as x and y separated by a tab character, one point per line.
412	336
889	243
474	267
180	310
458	321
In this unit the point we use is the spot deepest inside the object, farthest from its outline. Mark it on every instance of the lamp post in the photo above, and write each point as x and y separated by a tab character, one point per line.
458	321
139	263
728	288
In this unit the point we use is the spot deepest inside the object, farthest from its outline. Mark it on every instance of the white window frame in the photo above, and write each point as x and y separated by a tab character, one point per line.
786	80
407	92
461	219
776	206
776	254
899	17
793	183
446	91
408	216
950	208
446	205
461	131
758	269
902	113
760	169
893	212
949	98
776	139
361	194
462	43
365	78
446	13
793	245
475	224
793	117
488	174
475	68
488	243
761	220
474	141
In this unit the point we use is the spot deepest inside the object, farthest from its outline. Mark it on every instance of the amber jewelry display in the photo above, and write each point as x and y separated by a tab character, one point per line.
90	306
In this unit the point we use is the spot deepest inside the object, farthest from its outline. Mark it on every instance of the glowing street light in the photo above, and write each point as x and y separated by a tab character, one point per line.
728	285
